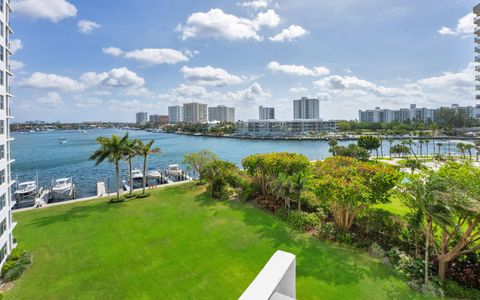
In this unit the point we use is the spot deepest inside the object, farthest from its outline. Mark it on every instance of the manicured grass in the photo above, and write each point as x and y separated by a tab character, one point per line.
395	206
179	244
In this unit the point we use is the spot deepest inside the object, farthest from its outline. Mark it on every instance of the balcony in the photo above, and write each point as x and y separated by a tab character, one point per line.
477	20
477	97
477	58
477	31
477	78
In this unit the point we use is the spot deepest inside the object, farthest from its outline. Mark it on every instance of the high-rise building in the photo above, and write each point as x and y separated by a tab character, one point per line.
195	113
175	114
158	119
476	11
221	113
6	202
306	109
266	113
142	118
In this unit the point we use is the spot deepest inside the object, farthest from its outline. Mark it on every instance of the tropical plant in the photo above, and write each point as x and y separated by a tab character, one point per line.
427	142
390	142
298	184
413	164
468	148
400	150
197	160
145	150
410	143
223	178
369	142
349	186
461	148
113	150
130	153
353	151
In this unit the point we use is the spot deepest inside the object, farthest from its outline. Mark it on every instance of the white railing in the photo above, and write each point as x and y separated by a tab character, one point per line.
276	280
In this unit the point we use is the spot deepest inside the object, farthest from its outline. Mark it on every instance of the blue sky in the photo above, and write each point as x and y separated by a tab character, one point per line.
105	60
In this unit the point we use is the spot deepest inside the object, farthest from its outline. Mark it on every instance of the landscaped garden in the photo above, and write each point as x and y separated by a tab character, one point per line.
181	244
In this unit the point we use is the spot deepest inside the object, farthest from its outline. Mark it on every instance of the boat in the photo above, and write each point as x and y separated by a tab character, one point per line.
26	188
137	174
62	140
153	173
62	187
174	170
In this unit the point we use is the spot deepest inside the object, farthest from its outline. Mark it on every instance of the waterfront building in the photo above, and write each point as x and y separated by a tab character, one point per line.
306	109
195	113
476	11
403	115
6	201
141	118
285	128
221	113
175	114
158	119
266	113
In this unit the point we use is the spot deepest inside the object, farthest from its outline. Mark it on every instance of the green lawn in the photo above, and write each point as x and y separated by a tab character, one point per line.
179	244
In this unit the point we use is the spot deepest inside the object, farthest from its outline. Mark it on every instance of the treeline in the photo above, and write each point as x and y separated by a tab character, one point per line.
216	129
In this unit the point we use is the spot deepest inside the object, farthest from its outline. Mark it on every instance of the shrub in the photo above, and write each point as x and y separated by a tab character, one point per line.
376	251
455	290
330	231
15	255
299	220
20	265
405	265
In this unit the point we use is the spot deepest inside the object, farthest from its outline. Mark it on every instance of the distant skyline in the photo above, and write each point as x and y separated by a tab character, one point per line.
107	60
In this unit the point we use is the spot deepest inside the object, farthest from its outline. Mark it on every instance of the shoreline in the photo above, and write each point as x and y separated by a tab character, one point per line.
304	138
91	198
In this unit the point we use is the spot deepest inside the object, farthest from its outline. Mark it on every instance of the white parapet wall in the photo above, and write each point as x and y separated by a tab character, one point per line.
276	281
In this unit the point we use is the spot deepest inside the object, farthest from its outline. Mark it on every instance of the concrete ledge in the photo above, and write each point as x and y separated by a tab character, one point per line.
275	281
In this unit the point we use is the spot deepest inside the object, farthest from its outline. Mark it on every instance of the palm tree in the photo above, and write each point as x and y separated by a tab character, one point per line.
281	190
420	143
390	142
112	149
439	145
145	150
130	153
469	148
297	184
477	145
381	145
427	141
424	197
461	148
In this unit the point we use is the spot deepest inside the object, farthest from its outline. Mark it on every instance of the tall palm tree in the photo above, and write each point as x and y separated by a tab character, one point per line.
439	145
424	196
461	148
427	141
477	145
281	190
130	153
113	150
390	142
145	150
469	148
297	184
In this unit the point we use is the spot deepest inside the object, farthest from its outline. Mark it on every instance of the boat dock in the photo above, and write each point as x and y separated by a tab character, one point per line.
101	189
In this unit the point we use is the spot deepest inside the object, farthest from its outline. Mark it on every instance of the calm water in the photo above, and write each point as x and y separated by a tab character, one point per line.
42	153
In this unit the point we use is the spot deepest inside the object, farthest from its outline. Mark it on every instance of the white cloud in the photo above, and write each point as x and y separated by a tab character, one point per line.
465	27
157	56
86	27
52	10
15	45
51	100
138	92
255	4
188	91
298	90
289	34
119	77
463	79
113	51
87	103
16	65
40	80
219	25
209	76
298	70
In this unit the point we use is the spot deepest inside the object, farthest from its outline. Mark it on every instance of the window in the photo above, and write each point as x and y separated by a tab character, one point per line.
2	151
1	5
2	127
2	76
2	30
2	177
3	226
2	102
2	53
3	201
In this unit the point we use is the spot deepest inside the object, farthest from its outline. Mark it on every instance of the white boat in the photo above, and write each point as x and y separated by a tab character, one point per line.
62	186
174	170
137	174
62	140
26	188
154	174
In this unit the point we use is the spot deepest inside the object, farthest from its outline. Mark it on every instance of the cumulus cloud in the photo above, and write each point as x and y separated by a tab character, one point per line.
157	56
16	65
150	56
220	25
86	27
209	76
15	45
463	79
297	90
289	34
87	103
119	77
40	80
52	100
52	10
256	4
113	51
465	27
297	70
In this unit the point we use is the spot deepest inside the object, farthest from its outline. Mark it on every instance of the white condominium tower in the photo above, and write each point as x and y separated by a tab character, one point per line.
476	11
195	113
6	202
266	113
306	109
142	118
175	114
221	113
